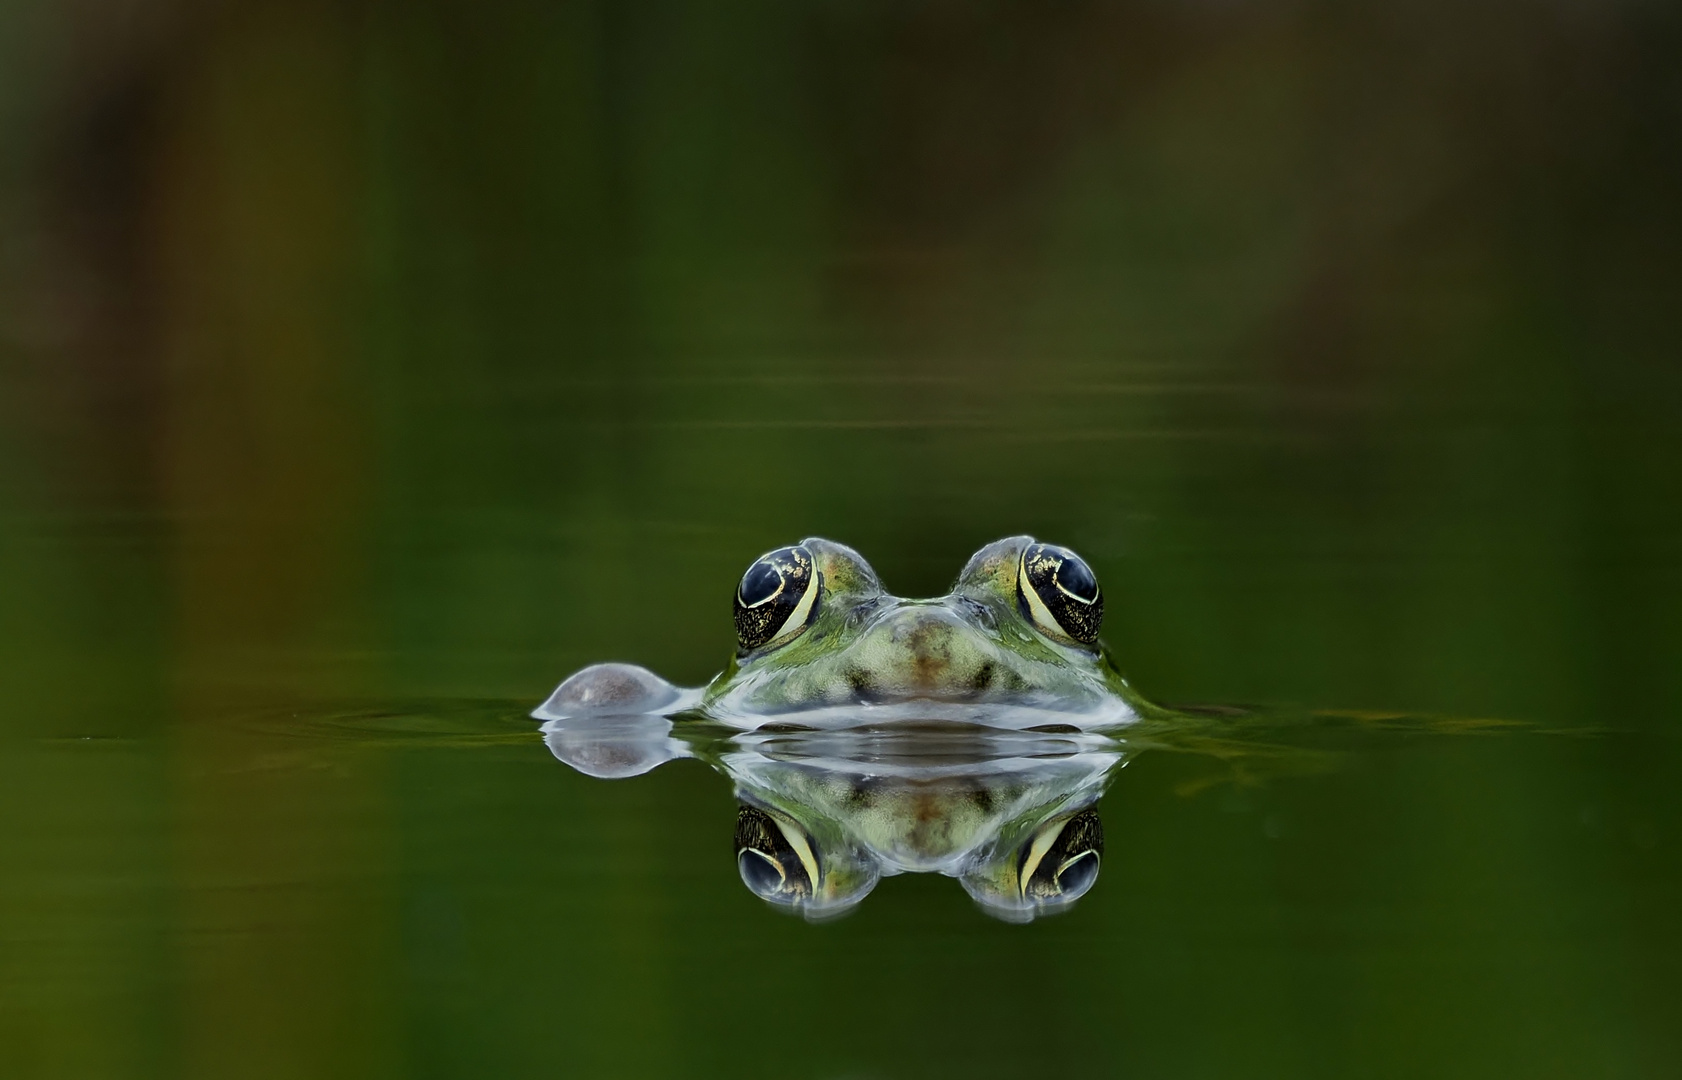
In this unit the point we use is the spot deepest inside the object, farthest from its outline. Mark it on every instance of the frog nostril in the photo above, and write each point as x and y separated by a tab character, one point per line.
978	614
862	613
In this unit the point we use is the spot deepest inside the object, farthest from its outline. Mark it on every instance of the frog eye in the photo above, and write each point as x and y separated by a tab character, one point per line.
774	858
1062	862
777	598
1060	592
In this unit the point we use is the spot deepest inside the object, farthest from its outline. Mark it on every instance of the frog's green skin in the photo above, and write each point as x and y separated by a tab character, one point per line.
923	659
826	814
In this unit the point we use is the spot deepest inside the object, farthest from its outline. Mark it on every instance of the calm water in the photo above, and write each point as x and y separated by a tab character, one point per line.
420	888
366	370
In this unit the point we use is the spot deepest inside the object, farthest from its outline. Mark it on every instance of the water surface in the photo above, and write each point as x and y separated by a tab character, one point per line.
367	369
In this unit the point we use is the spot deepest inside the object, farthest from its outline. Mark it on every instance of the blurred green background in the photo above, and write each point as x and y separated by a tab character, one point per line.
393	361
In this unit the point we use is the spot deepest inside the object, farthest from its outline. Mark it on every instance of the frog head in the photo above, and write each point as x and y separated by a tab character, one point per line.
815	628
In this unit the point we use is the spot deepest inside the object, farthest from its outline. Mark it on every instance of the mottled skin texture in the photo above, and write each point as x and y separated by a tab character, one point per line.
974	645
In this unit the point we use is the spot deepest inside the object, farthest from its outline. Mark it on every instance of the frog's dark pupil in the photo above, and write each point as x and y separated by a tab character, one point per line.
760	872
1076	579
1078	875
760	583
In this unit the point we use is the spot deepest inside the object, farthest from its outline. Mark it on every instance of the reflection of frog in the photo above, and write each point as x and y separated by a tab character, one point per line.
1011	815
825	814
816	634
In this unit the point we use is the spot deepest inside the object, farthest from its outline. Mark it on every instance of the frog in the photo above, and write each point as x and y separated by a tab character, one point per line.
820	642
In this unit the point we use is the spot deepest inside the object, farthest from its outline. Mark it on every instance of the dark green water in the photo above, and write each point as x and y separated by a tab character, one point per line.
365	370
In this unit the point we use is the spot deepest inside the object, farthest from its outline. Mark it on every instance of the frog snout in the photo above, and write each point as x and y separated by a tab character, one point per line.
932	647
922	627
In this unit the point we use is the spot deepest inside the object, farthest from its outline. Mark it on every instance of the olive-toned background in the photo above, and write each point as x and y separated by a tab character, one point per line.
397	359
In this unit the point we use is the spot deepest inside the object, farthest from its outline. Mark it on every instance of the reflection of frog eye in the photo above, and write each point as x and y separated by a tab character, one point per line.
777	598
1060	592
774	859
1062	862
